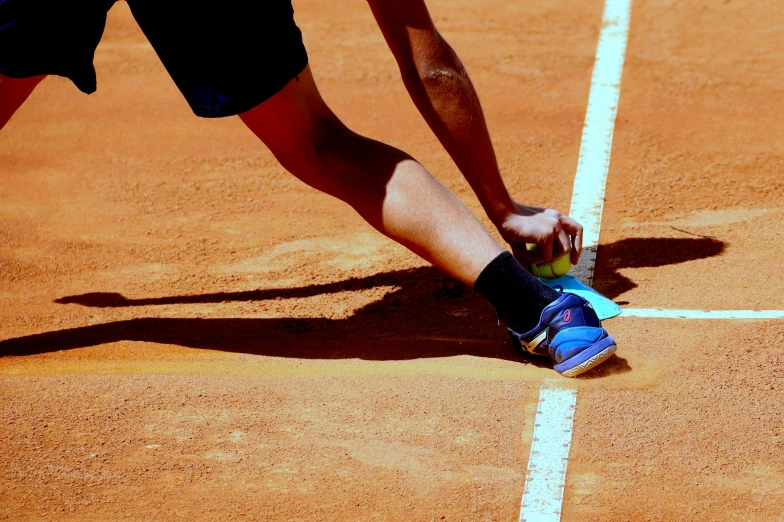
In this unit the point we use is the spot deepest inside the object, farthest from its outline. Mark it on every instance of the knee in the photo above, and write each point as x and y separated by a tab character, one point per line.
308	150
299	128
321	140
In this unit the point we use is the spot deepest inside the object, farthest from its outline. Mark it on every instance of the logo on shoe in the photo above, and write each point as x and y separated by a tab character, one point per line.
536	341
567	315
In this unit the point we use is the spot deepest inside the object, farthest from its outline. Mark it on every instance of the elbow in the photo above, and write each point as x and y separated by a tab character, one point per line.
434	75
433	64
441	75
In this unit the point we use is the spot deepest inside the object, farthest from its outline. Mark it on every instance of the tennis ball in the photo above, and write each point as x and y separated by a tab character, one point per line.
556	268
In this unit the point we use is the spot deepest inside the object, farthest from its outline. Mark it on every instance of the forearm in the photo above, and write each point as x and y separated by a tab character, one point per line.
442	91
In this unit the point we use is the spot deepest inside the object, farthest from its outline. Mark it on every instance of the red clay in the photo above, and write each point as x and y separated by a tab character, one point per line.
189	332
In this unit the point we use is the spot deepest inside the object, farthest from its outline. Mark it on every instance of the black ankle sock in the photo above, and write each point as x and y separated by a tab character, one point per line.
518	297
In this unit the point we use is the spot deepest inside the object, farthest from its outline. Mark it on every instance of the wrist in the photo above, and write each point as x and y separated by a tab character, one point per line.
499	212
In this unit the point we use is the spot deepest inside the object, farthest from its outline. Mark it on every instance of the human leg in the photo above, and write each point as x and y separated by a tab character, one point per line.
44	37
387	187
254	64
398	197
13	93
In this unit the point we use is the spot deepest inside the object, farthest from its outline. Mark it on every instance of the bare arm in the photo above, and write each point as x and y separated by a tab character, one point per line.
442	91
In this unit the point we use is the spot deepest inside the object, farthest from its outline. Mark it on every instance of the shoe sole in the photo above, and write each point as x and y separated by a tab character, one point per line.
592	362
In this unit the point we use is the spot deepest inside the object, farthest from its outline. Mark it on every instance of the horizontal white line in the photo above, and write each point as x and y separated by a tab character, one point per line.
703	314
544	483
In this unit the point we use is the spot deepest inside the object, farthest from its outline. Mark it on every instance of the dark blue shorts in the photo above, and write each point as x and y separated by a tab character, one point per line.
225	57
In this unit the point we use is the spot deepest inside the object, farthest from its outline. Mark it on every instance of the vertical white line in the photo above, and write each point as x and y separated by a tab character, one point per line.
546	475
594	163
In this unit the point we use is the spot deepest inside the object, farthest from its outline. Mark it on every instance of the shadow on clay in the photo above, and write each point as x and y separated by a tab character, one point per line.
424	317
646	252
627	253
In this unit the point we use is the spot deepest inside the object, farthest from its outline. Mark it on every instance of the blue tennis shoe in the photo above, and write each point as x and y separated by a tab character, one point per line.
571	334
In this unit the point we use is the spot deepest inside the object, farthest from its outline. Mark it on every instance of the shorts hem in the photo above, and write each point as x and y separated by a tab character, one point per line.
234	109
10	72
86	86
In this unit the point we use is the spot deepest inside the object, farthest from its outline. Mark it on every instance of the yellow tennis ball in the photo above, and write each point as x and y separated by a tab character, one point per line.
556	268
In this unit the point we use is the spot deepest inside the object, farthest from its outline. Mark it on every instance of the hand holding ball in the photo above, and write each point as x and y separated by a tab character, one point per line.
555	268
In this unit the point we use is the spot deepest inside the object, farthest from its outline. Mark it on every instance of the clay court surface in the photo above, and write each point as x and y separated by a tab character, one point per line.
189	332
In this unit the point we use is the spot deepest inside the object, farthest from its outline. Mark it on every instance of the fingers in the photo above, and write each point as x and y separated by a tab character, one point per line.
575	231
552	234
564	243
528	255
567	237
545	251
546	244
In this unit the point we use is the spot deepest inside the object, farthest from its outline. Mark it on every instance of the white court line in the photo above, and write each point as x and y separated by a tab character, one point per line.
703	314
594	163
546	475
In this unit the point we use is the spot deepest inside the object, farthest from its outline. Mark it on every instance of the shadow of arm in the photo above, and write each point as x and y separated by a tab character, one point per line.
115	300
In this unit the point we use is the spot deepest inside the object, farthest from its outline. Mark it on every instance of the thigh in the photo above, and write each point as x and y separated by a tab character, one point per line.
295	113
228	58
305	136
